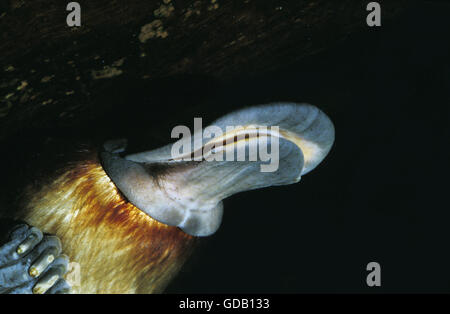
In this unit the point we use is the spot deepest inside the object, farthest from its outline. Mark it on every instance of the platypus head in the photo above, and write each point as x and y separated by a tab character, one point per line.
183	184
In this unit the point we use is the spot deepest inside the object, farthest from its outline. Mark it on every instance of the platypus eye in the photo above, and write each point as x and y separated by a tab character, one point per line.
186	190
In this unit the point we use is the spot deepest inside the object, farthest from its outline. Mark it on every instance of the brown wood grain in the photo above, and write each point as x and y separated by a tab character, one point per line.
51	72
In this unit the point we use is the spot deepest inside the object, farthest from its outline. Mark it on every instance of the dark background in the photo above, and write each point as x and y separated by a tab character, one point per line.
379	196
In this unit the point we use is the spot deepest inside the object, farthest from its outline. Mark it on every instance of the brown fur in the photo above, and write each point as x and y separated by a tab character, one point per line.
120	249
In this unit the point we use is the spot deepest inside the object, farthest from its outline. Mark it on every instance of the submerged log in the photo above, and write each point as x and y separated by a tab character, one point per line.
56	75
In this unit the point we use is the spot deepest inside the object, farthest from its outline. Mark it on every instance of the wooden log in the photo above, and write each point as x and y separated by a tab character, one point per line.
55	75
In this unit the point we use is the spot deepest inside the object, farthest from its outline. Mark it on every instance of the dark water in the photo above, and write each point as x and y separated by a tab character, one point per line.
381	194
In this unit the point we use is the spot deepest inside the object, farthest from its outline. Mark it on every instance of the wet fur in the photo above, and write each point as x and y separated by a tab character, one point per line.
120	249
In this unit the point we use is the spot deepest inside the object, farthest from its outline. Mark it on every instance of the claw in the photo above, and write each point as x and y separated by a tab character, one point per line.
30	242
51	280
61	287
45	259
47	281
